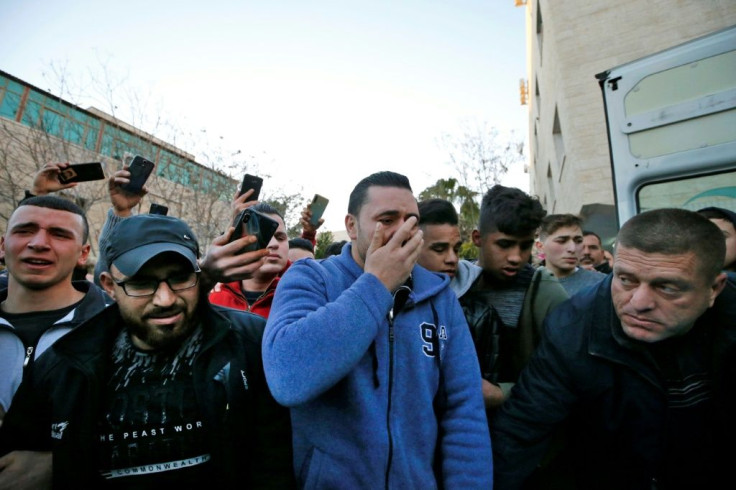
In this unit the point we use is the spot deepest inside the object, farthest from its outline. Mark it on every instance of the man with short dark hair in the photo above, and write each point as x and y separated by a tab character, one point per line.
45	241
639	370
374	357
160	389
300	248
439	223
561	241
504	298
593	254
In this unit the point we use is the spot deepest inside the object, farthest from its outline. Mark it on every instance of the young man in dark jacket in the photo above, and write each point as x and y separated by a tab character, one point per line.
639	370
161	389
45	240
505	300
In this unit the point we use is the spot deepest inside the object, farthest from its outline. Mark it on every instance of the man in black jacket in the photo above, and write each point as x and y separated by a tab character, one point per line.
639	369
161	388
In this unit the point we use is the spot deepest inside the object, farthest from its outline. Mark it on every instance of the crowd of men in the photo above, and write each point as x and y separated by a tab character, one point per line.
391	363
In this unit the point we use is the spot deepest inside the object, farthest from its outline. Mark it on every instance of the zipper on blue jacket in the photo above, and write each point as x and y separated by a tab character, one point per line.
29	353
390	390
400	297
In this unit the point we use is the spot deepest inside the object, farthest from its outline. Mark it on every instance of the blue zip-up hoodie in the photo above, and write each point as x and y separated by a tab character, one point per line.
373	405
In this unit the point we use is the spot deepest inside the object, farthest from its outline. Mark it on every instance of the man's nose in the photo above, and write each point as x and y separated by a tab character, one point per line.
39	239
515	255
164	296
642	298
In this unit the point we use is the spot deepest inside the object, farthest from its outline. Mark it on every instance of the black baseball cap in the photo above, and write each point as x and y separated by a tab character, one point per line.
138	239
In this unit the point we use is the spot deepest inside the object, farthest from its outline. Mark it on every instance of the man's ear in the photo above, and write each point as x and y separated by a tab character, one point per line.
108	285
475	236
82	260
351	226
718	284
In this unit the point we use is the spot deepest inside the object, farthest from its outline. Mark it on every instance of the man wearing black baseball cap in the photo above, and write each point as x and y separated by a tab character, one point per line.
161	388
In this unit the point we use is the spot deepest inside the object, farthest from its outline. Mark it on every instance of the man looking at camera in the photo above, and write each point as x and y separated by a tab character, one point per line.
159	389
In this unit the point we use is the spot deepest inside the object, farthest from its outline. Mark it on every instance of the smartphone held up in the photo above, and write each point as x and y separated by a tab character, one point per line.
140	169
158	209
317	207
81	172
251	222
251	182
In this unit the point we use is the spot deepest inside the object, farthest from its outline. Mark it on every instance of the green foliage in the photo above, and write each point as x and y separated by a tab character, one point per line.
324	239
468	251
464	201
290	206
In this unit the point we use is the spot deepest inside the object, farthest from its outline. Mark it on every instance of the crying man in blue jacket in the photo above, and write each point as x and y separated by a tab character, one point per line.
373	355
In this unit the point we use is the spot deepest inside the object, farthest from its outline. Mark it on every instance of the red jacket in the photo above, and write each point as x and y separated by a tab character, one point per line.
230	294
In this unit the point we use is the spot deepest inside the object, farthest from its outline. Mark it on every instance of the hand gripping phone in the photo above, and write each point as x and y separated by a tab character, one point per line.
251	182
319	203
82	172
140	169
250	222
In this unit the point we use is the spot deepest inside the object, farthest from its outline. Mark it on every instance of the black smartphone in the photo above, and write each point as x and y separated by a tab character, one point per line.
140	169
251	182
158	209
319	203
250	222
82	172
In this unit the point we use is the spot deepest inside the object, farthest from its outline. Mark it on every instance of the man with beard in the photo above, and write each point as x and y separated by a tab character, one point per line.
594	255
159	389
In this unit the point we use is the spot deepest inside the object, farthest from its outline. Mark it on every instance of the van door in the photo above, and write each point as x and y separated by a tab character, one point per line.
671	120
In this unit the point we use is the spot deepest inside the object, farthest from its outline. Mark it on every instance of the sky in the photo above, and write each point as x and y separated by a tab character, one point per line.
322	93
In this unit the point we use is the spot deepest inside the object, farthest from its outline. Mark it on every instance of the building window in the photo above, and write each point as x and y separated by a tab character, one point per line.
540	31
550	185
559	142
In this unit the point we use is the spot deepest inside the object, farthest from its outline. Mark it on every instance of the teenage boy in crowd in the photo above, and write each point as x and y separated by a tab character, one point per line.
160	389
561	241
438	221
374	358
638	370
504	298
255	293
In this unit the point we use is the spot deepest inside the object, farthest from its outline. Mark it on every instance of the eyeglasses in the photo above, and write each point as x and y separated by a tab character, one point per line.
138	288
